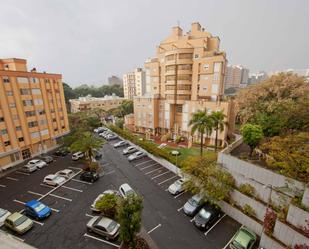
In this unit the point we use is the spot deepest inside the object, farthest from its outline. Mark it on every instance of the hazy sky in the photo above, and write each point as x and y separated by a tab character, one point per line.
87	41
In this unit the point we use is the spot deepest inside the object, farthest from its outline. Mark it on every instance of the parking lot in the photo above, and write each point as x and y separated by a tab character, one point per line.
163	217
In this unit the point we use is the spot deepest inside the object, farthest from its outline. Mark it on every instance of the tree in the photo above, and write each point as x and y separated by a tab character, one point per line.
202	123
218	123
108	205
208	178
252	135
68	93
130	218
86	142
126	107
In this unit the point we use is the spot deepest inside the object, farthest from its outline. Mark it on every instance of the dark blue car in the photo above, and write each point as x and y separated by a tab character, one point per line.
37	210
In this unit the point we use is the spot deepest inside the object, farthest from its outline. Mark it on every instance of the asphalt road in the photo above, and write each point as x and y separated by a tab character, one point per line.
163	217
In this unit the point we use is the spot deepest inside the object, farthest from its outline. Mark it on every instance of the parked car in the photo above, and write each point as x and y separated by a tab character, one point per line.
47	159
3	215
104	133
53	180
97	154
193	205
77	155
38	163
66	173
111	137
37	210
243	239
89	176
103	226
161	146
136	155
28	168
120	144
18	222
207	216
112	192
62	151
126	190
129	150
177	187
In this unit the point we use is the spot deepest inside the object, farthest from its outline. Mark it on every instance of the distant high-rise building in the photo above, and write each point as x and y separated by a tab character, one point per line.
33	115
114	80
300	72
257	77
134	83
236	76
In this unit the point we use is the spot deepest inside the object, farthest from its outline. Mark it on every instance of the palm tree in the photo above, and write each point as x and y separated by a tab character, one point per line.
202	123
218	123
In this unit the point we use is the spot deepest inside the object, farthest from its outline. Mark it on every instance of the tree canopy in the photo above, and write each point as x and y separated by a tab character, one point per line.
252	135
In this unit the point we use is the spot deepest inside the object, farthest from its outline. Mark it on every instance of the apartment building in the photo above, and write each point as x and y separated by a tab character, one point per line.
236	76
90	103
114	80
186	75
134	83
33	113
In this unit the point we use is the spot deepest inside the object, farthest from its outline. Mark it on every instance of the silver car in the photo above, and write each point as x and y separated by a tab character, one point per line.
193	205
136	155
104	226
129	150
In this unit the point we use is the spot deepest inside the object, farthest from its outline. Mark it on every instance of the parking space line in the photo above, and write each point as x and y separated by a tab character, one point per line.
151	230
214	225
179	209
180	194
60	197
167	179
22	173
3	186
154	170
89	215
74	189
110	172
40	223
164	173
70	167
192	219
230	241
76	180
166	190
142	163
34	193
45	185
20	202
148	166
102	240
11	178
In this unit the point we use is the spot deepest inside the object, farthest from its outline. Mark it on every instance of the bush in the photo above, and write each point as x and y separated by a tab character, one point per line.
247	189
248	210
108	205
166	137
269	221
301	246
140	243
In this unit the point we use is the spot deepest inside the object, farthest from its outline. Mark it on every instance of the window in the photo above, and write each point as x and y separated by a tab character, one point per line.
15	157
40	112
32	124
206	66
1	119
6	79
26	154
4	131
9	93
18	128
38	102
196	56
54	120
185	56
63	127
15	117
30	113
27	102
215	88
56	129
20	139
12	105
7	143
217	67
22	80
24	91
36	91
44	132
35	134
179	108
34	80
43	122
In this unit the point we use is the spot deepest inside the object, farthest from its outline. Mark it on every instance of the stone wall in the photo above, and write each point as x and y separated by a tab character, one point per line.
297	216
267	242
305	200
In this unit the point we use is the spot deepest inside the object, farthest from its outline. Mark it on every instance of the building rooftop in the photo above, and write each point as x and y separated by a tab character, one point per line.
89	98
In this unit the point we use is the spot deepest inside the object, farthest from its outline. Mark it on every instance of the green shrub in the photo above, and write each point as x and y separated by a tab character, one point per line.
247	189
108	205
248	210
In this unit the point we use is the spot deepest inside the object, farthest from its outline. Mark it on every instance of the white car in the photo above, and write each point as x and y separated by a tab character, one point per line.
113	192
177	187
136	155
129	150
162	145
78	155
3	215
66	173
125	190
120	144
54	180
38	163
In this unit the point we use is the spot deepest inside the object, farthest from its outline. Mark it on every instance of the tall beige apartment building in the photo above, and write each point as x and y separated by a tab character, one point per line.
236	76
186	75
33	113
134	83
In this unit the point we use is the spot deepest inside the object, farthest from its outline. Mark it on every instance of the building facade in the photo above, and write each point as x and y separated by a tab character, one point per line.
33	113
90	103
186	75
236	76
114	80
134	83
257	77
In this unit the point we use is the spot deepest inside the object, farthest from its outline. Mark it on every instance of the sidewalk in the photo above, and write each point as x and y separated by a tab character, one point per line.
9	242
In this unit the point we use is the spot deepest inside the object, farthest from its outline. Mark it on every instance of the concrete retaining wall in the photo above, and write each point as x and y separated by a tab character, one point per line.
267	242
305	200
297	216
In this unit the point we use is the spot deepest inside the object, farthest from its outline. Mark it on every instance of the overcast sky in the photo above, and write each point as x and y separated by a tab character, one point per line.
87	41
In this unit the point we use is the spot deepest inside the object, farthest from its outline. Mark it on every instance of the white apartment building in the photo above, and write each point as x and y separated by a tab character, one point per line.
134	83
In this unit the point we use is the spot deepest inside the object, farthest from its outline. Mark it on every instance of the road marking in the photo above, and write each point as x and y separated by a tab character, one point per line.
74	189
3	186
20	202
45	185
214	225
70	167
148	166
34	193
179	194
179	209
167	179
22	173
230	241
75	180
150	231
11	178
160	175
40	223
151	171
142	163
102	240
89	215
15	237
192	219
60	197
110	172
